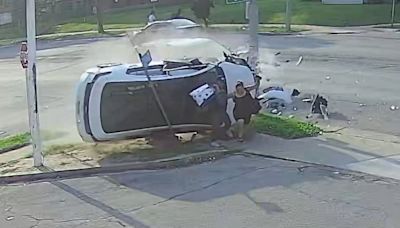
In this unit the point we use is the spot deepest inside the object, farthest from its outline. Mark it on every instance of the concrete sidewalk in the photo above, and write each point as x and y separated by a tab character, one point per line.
361	151
236	192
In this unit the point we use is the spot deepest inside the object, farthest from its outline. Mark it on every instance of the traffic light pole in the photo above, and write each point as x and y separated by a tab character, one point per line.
253	33
31	84
288	19
393	12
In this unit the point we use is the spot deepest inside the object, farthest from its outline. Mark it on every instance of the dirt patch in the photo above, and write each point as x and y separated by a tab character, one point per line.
89	155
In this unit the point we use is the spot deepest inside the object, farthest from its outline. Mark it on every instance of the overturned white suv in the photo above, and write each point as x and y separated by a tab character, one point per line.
114	101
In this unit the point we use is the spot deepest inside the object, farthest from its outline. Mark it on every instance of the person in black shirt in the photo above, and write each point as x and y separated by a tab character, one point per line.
245	107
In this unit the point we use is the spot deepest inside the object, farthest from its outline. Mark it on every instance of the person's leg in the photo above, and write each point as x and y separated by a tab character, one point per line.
227	125
240	127
324	111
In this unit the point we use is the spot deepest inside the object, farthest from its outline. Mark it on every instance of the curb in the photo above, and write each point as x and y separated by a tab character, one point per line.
279	33
175	162
2	151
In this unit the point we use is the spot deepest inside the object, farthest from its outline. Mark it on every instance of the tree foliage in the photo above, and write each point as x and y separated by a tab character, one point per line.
201	9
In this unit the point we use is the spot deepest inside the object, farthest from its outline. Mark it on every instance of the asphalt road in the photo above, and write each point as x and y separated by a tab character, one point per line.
349	70
237	192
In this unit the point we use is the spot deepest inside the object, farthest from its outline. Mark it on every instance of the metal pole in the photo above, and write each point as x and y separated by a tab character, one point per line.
153	89
393	12
253	33
31	84
288	15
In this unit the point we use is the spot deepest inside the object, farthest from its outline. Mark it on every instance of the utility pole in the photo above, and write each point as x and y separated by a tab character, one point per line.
288	19
253	33
393	12
31	84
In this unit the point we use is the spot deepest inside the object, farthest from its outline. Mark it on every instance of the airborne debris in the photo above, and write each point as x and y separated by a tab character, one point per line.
9	218
393	108
363	105
328	78
294	109
307	100
300	60
278	53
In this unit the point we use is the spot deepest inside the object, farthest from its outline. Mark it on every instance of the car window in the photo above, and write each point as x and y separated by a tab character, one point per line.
157	26
182	22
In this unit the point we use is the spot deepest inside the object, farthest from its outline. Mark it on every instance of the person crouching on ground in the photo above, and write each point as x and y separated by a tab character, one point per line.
245	107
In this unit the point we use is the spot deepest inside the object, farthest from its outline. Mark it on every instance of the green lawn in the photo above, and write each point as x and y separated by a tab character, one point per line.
14	141
271	11
283	127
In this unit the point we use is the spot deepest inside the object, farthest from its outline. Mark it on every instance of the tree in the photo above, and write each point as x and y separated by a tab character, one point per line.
99	14
201	9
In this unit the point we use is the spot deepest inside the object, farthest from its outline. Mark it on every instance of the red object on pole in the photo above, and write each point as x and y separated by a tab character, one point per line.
23	55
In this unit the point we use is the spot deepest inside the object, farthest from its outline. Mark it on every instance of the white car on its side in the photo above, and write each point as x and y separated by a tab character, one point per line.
114	101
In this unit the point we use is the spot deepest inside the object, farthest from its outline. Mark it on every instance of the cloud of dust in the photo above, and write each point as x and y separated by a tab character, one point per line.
176	44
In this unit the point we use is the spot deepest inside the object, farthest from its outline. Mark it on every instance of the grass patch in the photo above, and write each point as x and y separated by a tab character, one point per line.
262	28
271	12
84	27
14	141
284	127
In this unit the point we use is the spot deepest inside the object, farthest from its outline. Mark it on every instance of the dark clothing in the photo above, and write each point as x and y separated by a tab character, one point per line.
220	119
244	107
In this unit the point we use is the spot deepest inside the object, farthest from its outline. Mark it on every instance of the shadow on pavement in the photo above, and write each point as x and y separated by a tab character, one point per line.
227	177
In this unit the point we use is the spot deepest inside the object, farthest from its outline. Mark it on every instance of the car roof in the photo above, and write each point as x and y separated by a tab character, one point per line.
185	48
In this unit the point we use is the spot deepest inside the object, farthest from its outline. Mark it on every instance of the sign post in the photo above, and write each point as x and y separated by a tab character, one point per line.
253	33
146	60
32	94
393	12
251	13
288	15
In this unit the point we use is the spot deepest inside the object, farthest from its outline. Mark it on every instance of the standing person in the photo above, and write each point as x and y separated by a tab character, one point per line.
221	121
177	15
245	107
152	17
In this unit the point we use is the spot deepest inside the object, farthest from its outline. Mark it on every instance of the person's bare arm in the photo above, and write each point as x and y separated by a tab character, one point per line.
255	86
250	88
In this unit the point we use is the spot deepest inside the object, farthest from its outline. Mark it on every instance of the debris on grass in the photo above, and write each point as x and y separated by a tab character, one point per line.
284	127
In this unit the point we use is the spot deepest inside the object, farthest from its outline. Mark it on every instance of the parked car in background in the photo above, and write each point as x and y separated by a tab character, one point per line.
165	29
